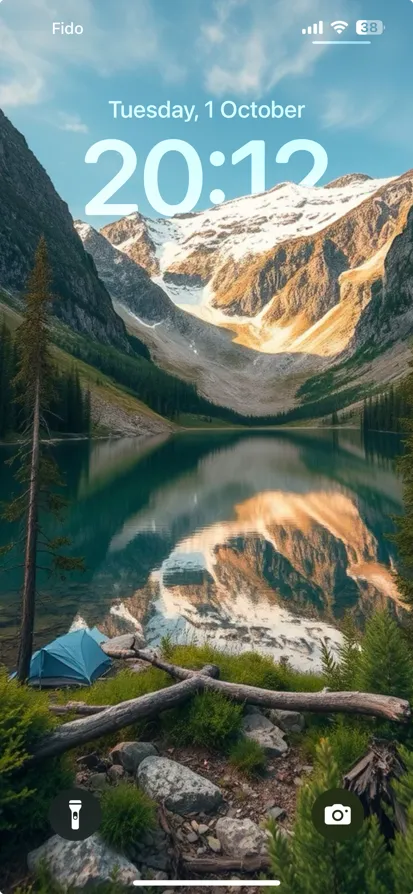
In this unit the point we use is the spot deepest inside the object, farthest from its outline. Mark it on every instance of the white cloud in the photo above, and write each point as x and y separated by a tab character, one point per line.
252	51
35	60
71	123
345	110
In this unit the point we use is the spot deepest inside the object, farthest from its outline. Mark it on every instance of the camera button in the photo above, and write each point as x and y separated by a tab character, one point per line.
338	814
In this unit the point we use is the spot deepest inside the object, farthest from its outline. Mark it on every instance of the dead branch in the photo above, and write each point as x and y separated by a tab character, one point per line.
103	719
110	720
220	865
176	851
318	702
78	708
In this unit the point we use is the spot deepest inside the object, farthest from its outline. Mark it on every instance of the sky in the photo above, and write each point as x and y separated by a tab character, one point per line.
56	89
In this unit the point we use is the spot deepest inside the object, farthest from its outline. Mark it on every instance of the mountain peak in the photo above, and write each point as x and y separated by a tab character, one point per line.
348	180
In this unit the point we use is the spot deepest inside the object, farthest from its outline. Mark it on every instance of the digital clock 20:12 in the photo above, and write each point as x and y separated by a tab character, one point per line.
255	150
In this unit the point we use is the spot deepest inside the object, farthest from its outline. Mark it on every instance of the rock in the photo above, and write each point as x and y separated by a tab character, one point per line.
182	790
192	837
90	761
240	837
276	813
115	773
118	643
202	829
156	860
81	779
98	782
130	754
81	863
214	844
288	721
262	731
252	709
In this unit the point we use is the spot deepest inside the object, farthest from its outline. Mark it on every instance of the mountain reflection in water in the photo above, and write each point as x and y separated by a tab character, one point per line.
251	540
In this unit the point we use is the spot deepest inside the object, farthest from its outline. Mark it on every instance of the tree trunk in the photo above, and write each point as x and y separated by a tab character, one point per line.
29	583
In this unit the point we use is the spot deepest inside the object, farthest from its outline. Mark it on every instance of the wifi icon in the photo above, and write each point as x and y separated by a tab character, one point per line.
339	26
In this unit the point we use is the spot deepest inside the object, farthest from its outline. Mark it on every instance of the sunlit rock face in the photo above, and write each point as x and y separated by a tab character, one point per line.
268	290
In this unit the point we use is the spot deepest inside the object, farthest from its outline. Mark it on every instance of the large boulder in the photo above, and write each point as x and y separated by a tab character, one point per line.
125	641
288	721
240	837
130	754
82	863
262	731
182	790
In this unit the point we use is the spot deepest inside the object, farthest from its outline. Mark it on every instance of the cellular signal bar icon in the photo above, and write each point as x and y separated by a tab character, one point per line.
314	29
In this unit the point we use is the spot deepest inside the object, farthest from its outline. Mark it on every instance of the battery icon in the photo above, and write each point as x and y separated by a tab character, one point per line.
369	27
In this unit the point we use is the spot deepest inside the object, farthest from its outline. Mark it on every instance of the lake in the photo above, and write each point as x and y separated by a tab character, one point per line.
256	539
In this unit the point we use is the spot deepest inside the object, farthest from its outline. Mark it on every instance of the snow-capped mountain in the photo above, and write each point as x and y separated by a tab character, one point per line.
196	245
296	279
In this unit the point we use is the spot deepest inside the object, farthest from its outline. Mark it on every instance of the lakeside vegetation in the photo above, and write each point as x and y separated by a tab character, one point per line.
377	660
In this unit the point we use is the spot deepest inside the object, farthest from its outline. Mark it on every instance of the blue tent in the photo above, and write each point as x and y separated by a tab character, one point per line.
73	659
97	635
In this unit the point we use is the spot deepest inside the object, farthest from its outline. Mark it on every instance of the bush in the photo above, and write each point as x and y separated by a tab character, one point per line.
349	740
341	675
309	864
248	756
127	813
210	719
25	794
385	663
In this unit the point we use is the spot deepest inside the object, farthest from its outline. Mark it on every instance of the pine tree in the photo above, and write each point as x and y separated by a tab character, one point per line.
402	861
340	674
37	471
385	662
309	864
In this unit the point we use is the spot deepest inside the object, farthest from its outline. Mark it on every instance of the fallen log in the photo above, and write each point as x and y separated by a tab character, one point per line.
220	865
102	719
105	719
110	720
318	702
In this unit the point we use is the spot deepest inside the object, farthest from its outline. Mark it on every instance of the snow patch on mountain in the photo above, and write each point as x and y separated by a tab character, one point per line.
287	211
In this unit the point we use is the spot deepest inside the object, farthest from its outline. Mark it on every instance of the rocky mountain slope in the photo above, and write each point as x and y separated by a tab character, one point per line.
31	207
191	348
254	300
299	278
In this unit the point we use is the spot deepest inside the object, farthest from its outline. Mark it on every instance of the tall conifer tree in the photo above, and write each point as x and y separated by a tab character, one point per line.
37	471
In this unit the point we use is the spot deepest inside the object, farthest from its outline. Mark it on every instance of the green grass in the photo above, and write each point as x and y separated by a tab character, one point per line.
209	719
245	667
348	738
248	756
127	813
